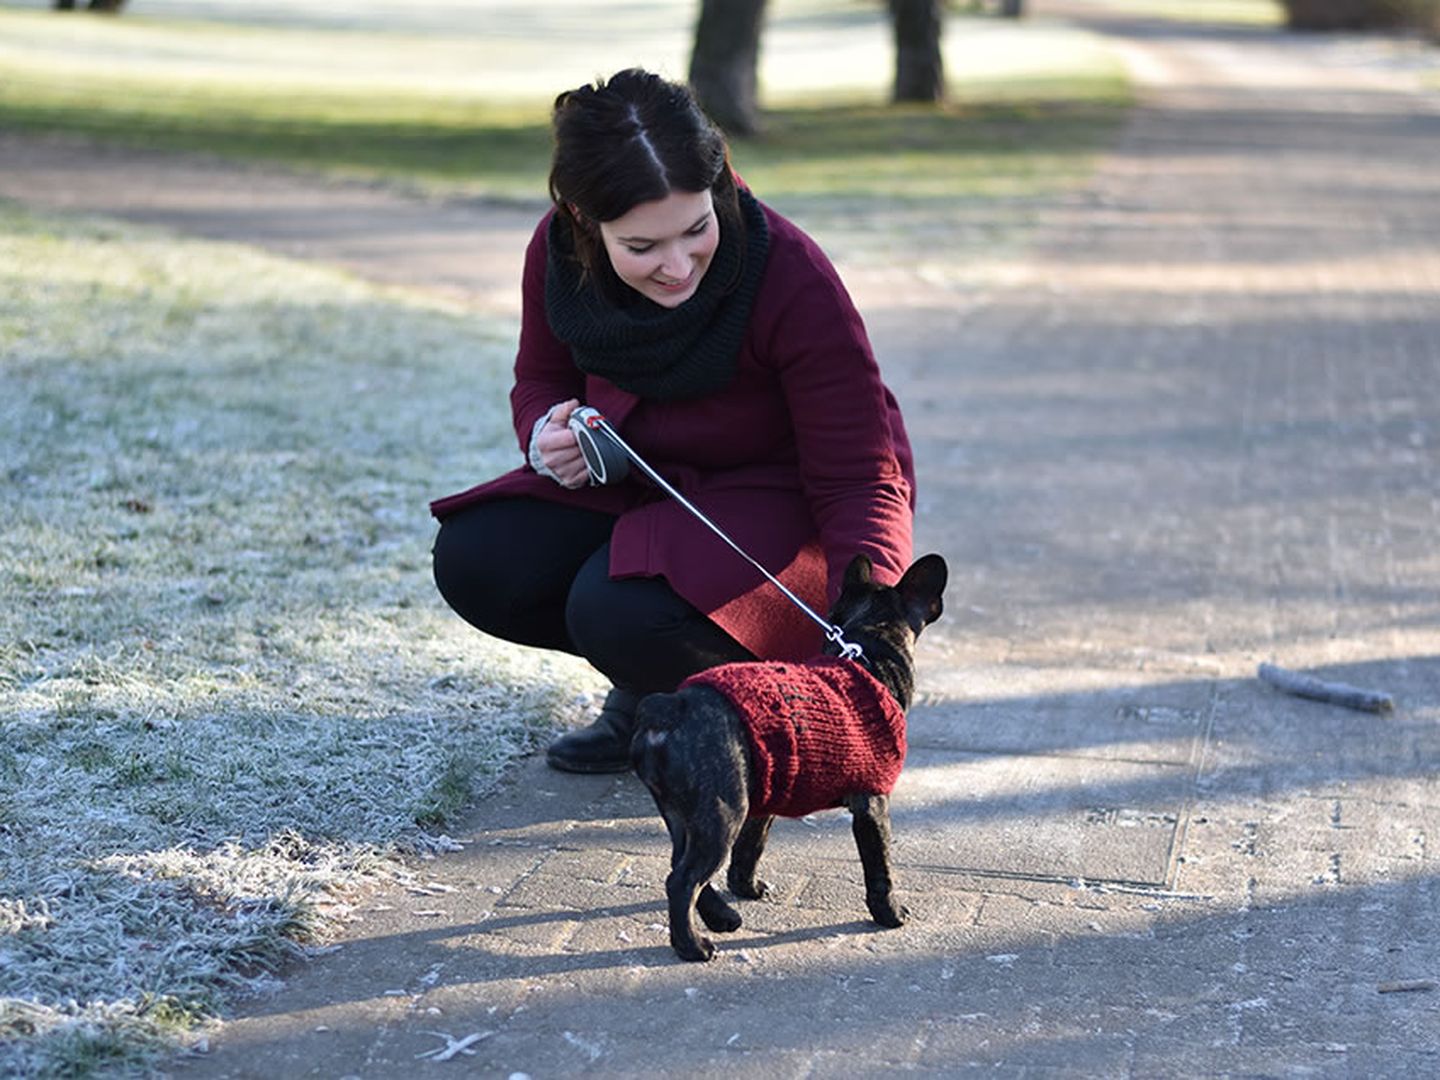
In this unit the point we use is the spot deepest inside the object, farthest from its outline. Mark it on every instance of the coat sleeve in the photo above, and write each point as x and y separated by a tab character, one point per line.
545	372
850	443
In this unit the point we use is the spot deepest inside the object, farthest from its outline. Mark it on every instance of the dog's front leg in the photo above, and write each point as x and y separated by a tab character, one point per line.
749	846
871	825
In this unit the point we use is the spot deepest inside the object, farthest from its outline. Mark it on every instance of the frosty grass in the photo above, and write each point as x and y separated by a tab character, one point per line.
229	695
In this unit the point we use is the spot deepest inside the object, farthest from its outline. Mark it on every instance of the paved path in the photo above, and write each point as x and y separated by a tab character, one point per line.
471	251
1196	427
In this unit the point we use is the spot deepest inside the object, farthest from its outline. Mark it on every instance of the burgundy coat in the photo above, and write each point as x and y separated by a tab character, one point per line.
803	459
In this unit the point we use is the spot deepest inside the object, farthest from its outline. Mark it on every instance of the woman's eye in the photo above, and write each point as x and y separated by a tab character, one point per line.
645	249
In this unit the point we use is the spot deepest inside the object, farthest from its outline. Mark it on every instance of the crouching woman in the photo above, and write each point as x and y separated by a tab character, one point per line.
720	342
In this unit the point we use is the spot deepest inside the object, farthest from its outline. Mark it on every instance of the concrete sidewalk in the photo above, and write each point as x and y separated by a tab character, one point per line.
1198	427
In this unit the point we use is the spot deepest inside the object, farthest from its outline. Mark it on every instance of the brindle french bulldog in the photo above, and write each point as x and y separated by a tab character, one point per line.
720	775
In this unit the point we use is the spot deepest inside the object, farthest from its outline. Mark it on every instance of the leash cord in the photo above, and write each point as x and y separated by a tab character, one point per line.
848	649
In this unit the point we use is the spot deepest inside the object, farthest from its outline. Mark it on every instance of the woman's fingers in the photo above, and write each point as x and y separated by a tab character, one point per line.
559	450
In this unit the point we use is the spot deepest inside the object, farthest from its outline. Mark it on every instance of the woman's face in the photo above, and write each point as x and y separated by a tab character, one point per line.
662	249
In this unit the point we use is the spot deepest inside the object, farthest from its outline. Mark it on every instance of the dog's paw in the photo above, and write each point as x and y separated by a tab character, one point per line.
887	912
748	888
698	950
716	913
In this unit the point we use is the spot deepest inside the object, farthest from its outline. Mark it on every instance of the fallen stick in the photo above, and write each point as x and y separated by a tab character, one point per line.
453	1045
1406	986
1334	693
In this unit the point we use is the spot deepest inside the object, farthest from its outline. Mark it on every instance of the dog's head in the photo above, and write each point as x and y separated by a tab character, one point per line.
885	620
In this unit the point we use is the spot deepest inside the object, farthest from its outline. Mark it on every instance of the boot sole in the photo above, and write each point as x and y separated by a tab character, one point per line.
572	765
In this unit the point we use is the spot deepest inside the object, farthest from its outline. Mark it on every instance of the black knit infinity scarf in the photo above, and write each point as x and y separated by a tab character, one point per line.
653	351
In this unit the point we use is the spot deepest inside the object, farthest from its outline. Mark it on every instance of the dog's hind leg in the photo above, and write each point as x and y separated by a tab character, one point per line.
706	843
715	912
749	847
712	908
710	905
871	826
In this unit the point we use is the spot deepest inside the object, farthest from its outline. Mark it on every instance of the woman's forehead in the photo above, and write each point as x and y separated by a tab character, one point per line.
676	213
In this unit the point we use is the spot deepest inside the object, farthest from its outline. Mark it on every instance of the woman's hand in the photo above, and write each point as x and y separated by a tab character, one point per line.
558	449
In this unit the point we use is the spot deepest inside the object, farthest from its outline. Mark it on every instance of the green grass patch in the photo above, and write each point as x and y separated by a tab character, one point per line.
398	135
991	149
1028	103
1211	12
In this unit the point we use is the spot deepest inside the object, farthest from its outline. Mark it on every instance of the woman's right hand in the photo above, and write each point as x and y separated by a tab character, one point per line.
558	449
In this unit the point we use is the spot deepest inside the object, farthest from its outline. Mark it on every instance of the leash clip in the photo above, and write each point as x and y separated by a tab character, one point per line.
848	649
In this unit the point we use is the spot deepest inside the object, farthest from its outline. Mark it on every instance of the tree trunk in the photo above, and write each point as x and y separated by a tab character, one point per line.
1012	9
724	65
919	67
1345	14
64	5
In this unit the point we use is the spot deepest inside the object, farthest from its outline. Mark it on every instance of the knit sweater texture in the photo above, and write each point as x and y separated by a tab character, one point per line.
818	731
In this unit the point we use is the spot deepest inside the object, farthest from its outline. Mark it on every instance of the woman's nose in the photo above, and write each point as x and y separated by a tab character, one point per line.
675	261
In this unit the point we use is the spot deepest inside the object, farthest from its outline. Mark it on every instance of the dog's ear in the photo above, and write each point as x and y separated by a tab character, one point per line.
858	573
921	587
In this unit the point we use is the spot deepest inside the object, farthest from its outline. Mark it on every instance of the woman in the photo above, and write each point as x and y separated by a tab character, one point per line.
718	339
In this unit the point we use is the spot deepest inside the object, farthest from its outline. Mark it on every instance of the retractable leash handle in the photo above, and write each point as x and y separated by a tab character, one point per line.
607	462
585	421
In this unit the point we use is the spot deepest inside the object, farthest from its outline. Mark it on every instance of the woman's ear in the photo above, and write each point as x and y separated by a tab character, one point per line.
582	223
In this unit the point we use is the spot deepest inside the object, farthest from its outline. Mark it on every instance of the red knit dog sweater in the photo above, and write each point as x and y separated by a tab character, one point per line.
818	731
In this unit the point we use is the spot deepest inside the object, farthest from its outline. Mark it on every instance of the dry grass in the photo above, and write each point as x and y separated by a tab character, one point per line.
228	691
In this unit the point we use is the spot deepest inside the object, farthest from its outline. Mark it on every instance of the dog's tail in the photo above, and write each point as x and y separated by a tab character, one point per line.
655	718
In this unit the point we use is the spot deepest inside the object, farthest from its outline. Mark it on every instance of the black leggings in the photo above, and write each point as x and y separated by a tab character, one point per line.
537	573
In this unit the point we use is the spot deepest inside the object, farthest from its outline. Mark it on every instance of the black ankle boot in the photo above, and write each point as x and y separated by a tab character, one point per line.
602	747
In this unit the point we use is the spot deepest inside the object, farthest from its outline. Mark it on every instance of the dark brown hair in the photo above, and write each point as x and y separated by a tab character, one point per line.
626	140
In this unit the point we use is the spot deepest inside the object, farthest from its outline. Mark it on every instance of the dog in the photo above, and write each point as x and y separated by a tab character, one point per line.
827	734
